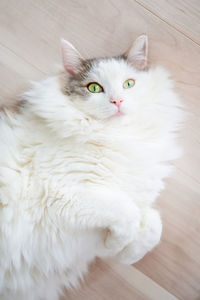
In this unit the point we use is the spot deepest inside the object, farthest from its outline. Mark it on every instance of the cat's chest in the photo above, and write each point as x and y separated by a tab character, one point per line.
56	170
96	161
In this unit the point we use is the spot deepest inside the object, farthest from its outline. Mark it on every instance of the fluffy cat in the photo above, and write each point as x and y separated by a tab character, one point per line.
81	165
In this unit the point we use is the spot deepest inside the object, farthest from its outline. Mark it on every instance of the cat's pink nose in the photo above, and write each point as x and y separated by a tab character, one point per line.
116	102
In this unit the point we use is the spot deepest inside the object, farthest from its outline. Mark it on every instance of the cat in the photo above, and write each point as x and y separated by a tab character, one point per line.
81	164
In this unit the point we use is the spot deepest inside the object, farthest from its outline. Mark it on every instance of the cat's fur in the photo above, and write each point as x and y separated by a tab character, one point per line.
77	180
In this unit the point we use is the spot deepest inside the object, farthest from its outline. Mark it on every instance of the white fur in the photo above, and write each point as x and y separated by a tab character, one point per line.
78	181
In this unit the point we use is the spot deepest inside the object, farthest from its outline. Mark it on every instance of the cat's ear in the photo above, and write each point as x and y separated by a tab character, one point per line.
72	59
137	54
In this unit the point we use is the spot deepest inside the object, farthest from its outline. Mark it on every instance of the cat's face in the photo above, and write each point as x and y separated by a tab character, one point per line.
108	87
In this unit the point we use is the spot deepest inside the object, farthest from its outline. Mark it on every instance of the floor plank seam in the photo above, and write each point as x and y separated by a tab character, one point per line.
170	25
22	58
187	175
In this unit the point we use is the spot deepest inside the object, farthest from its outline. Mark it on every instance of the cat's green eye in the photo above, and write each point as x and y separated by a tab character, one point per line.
129	83
94	87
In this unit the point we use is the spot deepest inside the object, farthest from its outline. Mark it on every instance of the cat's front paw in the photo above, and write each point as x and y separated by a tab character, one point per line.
147	237
123	230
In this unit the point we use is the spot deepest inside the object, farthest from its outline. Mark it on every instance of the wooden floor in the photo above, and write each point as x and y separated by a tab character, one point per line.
30	32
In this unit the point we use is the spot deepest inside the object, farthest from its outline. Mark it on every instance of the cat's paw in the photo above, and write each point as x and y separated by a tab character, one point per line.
123	230
147	237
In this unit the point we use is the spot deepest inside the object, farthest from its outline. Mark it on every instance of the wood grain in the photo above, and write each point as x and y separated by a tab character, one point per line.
182	15
109	280
15	74
30	33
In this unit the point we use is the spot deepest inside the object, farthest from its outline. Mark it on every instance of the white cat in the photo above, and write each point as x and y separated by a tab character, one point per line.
80	166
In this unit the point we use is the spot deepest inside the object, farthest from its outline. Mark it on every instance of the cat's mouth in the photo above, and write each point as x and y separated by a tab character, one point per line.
117	114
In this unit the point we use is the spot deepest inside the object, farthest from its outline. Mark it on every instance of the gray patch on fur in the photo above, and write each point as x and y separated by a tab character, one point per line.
14	106
12	109
75	85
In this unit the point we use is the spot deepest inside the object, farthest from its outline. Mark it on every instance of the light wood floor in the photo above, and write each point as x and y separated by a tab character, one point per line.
30	32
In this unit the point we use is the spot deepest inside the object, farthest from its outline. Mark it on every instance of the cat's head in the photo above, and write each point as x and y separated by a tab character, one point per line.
105	87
